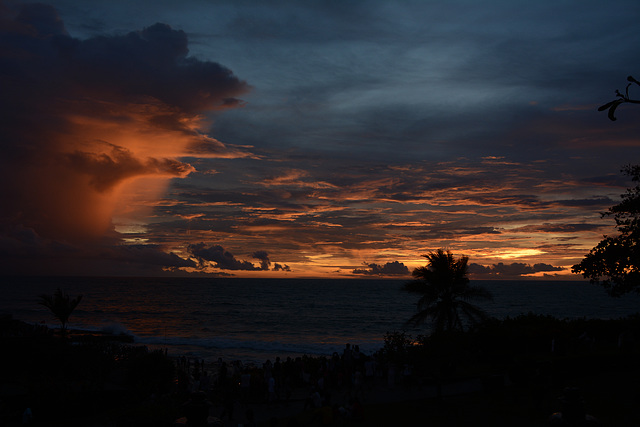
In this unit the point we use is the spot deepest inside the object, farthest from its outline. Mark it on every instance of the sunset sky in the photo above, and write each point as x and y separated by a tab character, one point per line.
311	138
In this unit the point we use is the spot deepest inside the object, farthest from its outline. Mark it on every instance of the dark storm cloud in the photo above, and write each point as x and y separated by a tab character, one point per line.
24	252
223	259
394	268
39	16
81	117
154	62
149	255
509	271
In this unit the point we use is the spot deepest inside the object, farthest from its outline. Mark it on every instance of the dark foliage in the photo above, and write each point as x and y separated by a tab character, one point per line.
60	305
68	381
523	347
445	293
615	262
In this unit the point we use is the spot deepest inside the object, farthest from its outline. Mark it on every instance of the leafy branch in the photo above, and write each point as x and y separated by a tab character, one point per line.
622	98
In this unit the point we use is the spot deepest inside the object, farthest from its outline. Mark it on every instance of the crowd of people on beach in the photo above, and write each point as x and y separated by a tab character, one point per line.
331	387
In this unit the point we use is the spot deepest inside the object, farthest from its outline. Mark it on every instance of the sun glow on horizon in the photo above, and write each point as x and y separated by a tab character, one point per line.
515	253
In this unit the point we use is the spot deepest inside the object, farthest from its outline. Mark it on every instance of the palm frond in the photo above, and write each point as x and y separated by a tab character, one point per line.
445	292
60	305
473	313
419	318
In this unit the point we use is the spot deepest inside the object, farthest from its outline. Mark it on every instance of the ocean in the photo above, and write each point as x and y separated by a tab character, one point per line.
258	319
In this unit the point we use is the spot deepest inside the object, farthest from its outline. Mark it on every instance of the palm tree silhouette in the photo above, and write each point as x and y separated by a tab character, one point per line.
61	305
446	292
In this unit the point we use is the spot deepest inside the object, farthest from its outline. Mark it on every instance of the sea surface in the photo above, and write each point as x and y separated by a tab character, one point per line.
258	319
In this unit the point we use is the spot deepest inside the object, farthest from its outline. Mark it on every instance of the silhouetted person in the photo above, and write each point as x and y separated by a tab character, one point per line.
222	375
356	356
347	355
324	414
250	418
27	416
245	385
573	411
228	403
356	410
196	410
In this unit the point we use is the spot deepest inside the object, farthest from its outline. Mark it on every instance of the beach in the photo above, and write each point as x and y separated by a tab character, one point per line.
609	392
89	380
512	371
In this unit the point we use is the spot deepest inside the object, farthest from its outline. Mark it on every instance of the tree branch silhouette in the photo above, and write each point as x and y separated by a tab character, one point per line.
615	262
622	98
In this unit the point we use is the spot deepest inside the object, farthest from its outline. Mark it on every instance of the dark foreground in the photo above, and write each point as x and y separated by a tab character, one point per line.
508	373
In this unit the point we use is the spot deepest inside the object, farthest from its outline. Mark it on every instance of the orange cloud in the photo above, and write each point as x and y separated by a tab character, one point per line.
90	125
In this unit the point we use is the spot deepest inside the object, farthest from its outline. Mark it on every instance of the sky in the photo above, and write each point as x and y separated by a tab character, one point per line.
311	138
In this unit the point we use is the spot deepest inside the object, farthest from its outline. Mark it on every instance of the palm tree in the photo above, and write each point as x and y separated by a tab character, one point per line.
446	293
61	305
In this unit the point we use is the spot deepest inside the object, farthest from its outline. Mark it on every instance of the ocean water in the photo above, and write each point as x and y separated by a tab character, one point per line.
257	319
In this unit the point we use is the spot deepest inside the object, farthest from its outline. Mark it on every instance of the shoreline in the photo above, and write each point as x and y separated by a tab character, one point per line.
520	382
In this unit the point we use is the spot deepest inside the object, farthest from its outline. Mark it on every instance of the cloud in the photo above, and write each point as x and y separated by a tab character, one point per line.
105	170
84	120
225	260
264	259
556	228
394	268
222	259
298	179
509	271
89	121
23	251
279	267
147	255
